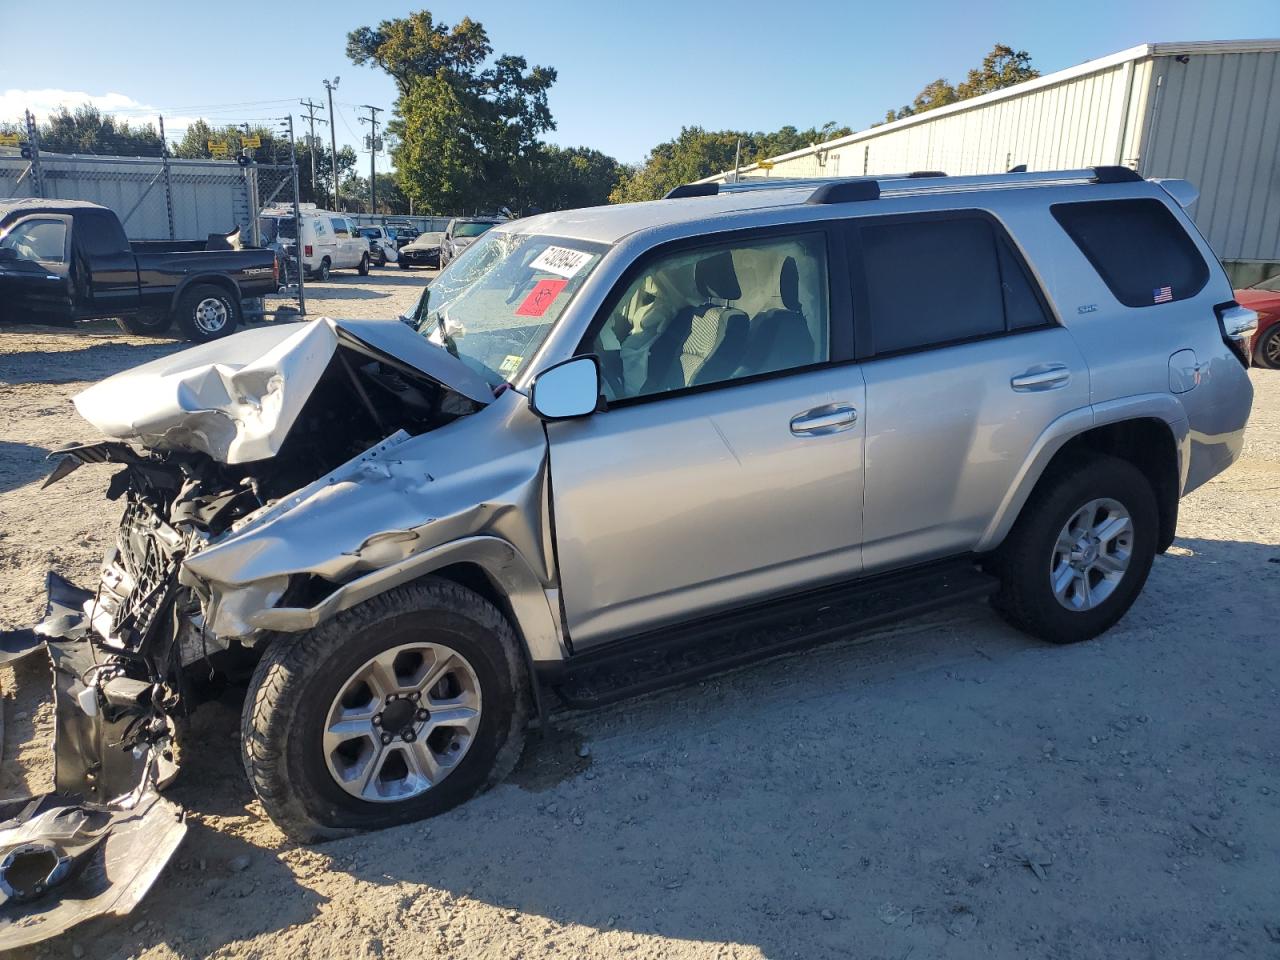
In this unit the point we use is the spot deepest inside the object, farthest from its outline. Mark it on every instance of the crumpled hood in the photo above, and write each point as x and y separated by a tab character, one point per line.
236	398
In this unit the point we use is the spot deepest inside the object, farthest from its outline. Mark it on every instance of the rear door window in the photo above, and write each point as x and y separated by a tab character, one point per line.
929	281
1138	248
339	227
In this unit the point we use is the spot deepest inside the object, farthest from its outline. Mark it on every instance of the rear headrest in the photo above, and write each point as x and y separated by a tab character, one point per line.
715	276
789	284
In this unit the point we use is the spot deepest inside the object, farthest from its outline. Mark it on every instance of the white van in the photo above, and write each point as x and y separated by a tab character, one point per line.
330	241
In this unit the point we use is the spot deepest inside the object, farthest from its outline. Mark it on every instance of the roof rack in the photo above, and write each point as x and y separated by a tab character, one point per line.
851	189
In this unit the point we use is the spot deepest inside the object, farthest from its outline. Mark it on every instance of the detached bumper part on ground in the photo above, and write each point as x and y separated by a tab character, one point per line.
96	844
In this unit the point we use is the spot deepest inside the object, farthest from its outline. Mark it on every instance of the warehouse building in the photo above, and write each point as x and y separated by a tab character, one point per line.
1208	112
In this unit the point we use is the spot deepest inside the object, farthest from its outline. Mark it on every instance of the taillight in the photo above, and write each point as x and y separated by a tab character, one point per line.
1237	324
306	251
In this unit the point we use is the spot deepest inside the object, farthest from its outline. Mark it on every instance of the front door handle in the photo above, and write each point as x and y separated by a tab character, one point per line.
1046	376
820	421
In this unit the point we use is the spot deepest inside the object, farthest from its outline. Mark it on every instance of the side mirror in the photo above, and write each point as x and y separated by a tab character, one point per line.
569	389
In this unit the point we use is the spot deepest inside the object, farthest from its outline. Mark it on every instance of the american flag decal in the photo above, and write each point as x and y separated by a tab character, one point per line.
1162	295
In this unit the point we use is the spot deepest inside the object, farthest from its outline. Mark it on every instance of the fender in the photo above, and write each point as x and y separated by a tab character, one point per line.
1149	406
535	607
216	279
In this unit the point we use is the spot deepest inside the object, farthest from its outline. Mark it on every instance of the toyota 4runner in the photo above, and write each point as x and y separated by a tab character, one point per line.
618	447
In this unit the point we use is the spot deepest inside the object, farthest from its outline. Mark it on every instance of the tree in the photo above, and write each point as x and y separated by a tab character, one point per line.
698	153
565	178
467	133
89	130
1002	67
391	198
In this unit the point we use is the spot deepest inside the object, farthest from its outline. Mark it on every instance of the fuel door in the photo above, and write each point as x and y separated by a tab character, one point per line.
1184	371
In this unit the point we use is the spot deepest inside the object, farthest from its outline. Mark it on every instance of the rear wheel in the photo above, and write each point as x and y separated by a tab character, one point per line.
206	312
397	709
1267	353
363	268
1080	551
322	272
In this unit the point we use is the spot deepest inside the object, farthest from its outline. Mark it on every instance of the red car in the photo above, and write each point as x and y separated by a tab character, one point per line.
1264	298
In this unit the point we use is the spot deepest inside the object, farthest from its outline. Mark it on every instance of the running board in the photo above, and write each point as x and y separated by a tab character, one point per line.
680	654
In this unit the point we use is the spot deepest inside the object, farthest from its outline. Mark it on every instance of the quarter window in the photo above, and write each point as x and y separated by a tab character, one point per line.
934	281
44	240
1138	248
717	314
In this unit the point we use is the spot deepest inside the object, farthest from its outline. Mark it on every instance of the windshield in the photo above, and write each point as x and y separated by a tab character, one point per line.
274	228
471	229
1270	286
371	232
494	305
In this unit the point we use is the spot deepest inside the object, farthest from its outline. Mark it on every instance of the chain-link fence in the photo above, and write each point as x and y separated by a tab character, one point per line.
160	196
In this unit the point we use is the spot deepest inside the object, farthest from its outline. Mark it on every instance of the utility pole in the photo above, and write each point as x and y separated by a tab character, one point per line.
372	120
297	219
312	143
333	139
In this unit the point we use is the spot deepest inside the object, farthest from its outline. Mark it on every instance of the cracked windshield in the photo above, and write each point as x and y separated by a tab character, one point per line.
495	304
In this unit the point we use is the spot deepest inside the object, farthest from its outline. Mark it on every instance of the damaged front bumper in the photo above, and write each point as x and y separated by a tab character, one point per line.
94	845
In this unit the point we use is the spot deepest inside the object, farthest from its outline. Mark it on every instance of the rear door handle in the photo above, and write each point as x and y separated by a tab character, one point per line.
1046	376
820	421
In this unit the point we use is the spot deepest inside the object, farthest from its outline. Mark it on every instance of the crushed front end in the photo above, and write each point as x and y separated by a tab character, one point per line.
201	449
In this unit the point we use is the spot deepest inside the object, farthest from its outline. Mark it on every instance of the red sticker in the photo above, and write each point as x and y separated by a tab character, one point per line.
540	298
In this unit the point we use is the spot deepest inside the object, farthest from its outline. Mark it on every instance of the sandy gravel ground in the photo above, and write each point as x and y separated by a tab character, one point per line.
947	788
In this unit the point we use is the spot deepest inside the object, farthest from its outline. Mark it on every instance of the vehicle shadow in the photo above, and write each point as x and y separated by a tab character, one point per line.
86	361
332	291
21	463
867	797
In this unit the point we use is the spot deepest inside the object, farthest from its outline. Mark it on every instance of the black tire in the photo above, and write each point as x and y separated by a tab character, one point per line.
148	325
198	310
299	676
404	264
1267	353
1026	598
363	268
323	271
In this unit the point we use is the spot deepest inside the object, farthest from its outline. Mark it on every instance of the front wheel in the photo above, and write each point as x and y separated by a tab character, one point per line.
404	264
363	268
1080	551
206	312
397	709
1267	353
146	325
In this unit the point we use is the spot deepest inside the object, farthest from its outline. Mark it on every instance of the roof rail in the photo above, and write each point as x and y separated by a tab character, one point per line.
850	189
692	190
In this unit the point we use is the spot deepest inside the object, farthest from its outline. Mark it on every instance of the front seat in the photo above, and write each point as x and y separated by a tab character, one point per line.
780	338
704	343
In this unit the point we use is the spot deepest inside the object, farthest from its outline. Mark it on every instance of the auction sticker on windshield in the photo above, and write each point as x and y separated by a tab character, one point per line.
561	261
540	298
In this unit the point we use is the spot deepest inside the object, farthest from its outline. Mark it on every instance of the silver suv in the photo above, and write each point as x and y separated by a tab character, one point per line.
619	447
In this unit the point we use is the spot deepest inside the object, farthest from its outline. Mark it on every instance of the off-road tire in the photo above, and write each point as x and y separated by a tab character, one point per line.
1025	598
189	302
284	712
1268	343
146	325
363	268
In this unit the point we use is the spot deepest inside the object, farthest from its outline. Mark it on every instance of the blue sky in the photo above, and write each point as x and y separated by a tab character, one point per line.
631	74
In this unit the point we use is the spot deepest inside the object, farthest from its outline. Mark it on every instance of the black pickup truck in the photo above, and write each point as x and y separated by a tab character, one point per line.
64	260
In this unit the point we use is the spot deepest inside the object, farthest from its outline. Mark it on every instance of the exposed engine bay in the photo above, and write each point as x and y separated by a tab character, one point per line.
203	449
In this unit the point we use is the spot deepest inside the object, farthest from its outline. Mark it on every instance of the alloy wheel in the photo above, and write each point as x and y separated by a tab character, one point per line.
210	315
1091	554
402	722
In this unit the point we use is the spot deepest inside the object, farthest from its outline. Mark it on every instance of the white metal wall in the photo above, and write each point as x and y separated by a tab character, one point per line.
1215	120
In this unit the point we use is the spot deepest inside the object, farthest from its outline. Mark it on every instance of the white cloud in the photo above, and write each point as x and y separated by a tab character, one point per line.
14	102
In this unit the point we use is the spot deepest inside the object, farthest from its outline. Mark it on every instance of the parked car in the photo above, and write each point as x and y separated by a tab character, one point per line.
404	230
622	447
1264	299
461	233
382	245
330	241
422	251
63	260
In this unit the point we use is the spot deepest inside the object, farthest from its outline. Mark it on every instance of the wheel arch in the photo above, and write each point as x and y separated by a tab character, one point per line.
219	280
1151	432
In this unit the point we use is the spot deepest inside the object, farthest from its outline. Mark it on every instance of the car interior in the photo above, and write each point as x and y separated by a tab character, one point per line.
715	315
